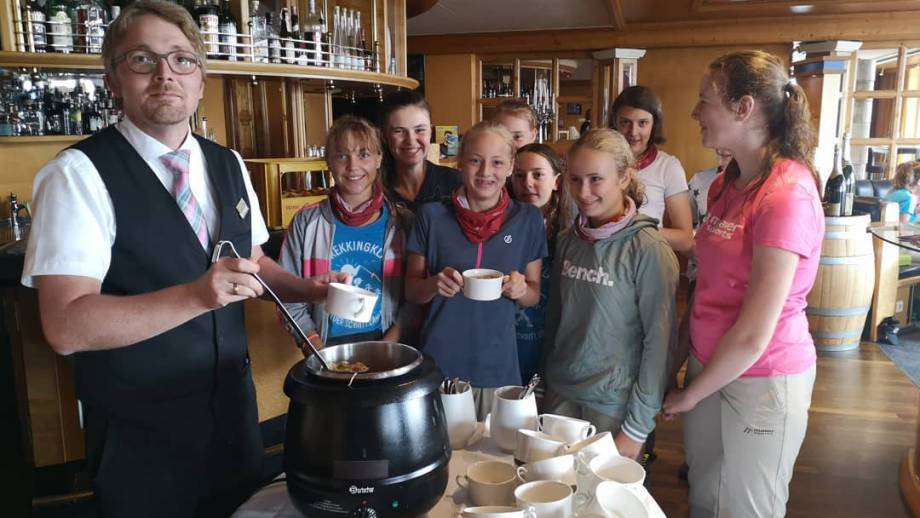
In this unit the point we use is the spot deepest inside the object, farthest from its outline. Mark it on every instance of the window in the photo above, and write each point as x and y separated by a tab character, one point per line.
883	117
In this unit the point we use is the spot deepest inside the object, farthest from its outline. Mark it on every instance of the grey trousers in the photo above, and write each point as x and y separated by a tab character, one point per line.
742	442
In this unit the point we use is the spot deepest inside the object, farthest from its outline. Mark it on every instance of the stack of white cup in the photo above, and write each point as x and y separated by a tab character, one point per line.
554	454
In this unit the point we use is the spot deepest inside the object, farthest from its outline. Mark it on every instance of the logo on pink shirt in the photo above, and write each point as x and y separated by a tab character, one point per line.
720	227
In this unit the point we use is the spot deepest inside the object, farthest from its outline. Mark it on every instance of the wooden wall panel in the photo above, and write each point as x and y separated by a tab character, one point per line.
674	75
451	89
273	353
212	107
21	161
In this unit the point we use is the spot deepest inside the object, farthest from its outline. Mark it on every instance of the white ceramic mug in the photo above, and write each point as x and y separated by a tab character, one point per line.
567	429
492	511
482	284
561	468
489	482
598	444
622	470
350	302
460	414
545	499
618	501
509	414
532	446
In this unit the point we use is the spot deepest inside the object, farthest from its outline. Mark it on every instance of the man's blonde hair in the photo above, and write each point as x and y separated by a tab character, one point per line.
169	12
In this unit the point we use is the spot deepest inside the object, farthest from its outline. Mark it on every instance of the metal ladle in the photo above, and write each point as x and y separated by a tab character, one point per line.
215	256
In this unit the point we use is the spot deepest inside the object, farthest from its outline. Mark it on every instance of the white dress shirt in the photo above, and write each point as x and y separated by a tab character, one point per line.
73	223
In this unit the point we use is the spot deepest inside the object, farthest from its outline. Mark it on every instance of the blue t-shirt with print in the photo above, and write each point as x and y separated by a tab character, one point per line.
530	324
905	203
359	251
475	340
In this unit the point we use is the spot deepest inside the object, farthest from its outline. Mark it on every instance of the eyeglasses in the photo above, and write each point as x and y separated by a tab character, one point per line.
141	61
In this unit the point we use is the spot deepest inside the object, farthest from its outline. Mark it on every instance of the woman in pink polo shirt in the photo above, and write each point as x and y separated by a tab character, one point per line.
752	361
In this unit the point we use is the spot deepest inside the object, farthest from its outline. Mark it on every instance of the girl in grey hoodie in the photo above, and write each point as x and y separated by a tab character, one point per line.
611	307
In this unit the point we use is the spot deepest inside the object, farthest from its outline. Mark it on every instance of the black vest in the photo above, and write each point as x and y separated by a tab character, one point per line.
199	365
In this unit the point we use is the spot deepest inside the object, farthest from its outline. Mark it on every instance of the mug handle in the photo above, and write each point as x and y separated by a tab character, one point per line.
462	482
591	430
530	512
521	471
582	501
581	463
360	302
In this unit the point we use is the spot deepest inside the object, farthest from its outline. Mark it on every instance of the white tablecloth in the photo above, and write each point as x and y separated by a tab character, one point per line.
272	501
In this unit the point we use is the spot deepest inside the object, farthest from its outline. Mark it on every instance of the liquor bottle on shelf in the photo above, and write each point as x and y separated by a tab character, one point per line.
208	18
227	27
301	56
274	43
288	54
34	26
354	41
338	32
835	189
366	58
76	111
91	18
313	32
112	113
321	38
258	33
60	28
6	121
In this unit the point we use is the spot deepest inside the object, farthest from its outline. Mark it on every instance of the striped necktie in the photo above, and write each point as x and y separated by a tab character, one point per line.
177	163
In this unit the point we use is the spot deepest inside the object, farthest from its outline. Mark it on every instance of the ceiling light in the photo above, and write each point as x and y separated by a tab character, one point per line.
801	9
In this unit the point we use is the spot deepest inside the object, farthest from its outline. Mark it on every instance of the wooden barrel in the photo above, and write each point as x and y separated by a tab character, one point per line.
840	299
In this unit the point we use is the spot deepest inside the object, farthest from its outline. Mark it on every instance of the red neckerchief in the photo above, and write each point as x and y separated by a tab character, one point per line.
360	214
480	226
646	159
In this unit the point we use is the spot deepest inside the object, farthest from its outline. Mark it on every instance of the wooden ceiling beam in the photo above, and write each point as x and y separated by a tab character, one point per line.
617	20
885	26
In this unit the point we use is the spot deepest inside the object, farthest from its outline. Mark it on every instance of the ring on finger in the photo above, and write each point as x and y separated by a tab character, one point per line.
236	288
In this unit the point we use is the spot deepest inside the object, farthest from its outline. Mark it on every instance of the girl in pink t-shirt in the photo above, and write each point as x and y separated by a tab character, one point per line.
752	363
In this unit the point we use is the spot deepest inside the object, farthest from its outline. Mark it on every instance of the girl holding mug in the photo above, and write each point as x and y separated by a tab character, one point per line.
355	230
479	227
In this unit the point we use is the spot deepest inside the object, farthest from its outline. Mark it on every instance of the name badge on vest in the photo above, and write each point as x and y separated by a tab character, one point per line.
242	208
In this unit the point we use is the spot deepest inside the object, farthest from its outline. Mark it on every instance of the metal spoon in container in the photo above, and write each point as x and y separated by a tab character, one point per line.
218	248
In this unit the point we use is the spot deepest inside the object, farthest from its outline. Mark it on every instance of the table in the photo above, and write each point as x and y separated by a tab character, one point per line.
903	235
906	355
272	501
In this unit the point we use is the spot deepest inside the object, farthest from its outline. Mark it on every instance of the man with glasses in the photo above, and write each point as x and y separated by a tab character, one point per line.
124	225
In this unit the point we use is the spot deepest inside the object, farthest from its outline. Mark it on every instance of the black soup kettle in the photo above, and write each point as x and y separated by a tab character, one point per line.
371	444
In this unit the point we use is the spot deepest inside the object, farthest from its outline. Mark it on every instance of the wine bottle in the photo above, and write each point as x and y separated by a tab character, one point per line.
34	19
208	17
258	32
835	190
228	32
60	27
301	56
284	34
274	43
849	177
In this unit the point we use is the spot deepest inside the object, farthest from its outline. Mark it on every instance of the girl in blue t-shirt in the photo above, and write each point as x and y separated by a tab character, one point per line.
536	180
906	189
355	230
479	227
